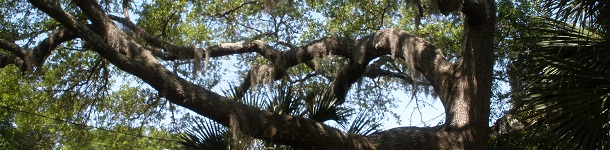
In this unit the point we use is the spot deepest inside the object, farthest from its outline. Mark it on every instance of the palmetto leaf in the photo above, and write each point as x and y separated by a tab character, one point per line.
256	99
206	135
568	89
589	12
279	101
363	124
283	101
323	106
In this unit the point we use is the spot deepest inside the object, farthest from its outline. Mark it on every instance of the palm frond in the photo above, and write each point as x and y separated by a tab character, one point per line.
554	33
206	134
587	12
250	98
568	87
279	100
324	106
283	101
363	124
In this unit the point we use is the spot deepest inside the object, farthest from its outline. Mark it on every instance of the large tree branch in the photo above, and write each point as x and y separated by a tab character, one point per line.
357	51
6	59
67	20
248	120
281	59
420	54
114	45
173	52
27	59
46	46
374	70
13	48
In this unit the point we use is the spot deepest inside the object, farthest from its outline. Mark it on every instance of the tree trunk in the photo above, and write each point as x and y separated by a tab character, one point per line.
465	93
468	108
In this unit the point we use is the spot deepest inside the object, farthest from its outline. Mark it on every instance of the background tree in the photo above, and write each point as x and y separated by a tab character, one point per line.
38	115
349	52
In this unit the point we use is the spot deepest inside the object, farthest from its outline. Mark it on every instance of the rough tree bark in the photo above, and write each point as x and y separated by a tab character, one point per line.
464	87
464	90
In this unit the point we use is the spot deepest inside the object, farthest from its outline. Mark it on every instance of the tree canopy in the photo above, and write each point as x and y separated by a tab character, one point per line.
282	74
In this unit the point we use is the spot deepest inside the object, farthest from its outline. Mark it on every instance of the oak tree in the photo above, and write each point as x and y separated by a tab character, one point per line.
463	84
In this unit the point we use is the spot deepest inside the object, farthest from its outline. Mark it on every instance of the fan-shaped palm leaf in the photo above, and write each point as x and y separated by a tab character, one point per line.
569	88
323	106
206	134
280	101
587	12
250	98
363	124
283	101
